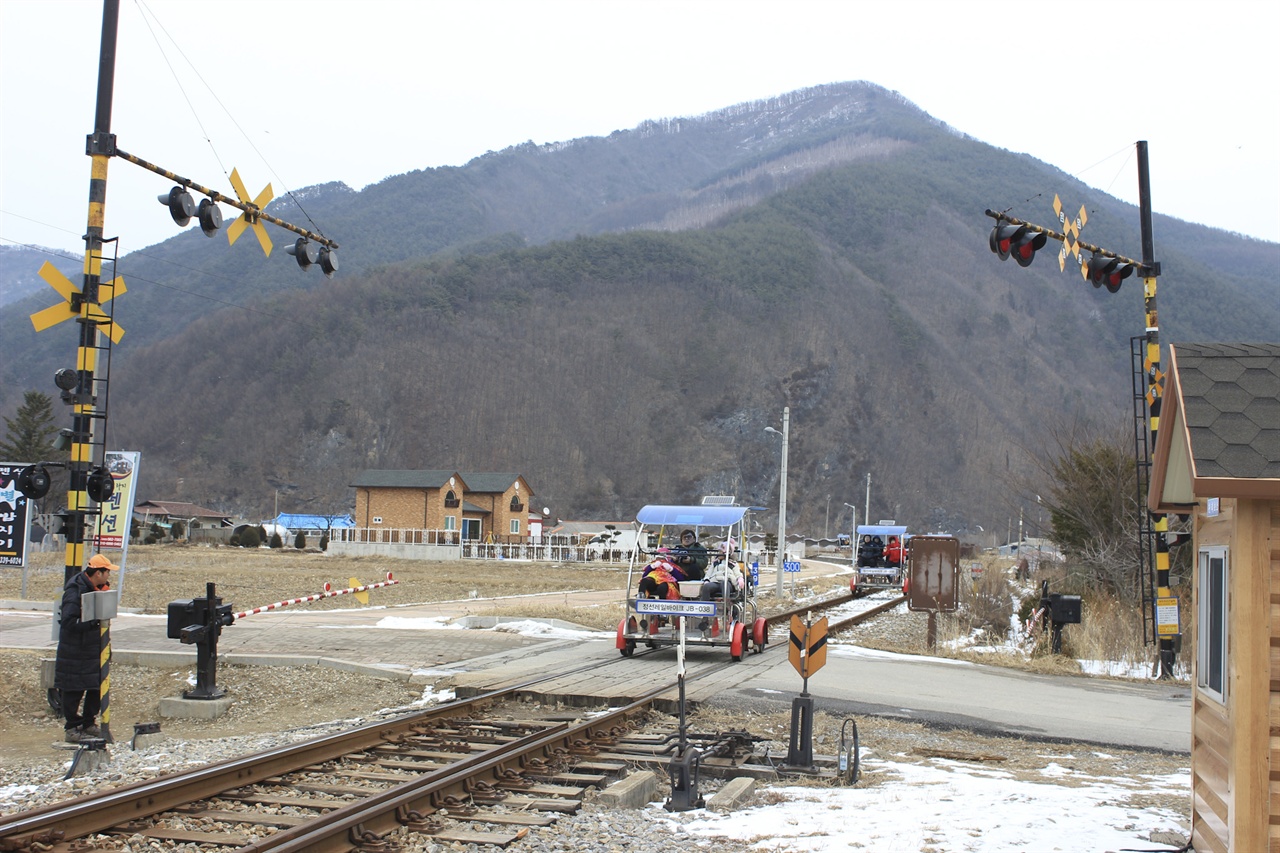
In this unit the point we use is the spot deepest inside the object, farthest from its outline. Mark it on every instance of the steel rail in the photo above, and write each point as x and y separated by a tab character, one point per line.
858	618
95	812
382	813
784	617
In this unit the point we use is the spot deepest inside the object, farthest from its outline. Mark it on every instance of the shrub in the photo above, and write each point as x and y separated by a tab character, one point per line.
986	603
250	537
276	541
300	541
324	542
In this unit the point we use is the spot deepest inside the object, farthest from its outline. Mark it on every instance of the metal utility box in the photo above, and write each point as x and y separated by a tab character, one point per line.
933	564
189	620
184	614
99	605
1064	609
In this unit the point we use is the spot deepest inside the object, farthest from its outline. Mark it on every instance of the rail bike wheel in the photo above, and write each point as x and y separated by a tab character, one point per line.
759	634
624	644
738	641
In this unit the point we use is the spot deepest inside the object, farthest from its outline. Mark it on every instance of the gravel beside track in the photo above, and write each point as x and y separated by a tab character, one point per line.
282	706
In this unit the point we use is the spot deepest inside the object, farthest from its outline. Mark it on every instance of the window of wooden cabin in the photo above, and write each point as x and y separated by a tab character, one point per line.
1211	645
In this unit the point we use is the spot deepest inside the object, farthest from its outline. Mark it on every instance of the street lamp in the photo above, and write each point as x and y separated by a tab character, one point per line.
855	521
782	492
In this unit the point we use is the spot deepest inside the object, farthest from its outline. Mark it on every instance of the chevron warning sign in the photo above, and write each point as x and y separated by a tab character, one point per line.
808	646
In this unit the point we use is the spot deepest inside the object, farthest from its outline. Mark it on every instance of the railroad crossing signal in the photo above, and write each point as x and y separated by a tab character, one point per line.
1017	241
249	219
1102	270
1071	234
55	314
808	646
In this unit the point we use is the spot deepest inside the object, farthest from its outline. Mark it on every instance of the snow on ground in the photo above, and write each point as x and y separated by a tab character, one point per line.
952	807
940	806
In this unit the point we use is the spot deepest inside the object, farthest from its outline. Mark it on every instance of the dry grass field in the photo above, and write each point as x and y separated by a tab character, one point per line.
154	575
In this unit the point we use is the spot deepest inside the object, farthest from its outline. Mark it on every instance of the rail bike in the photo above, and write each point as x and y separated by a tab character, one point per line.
879	556
716	609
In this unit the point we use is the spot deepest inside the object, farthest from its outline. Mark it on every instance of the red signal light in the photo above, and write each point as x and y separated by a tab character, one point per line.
1018	241
1108	272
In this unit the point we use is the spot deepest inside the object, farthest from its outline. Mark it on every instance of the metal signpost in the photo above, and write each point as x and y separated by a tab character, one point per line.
808	654
683	770
933	563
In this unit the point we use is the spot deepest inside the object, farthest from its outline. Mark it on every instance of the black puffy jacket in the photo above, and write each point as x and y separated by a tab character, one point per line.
80	643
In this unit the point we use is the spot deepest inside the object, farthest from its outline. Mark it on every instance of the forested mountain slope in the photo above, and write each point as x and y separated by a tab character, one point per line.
619	319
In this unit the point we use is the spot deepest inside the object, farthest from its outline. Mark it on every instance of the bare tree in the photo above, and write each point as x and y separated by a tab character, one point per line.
1093	503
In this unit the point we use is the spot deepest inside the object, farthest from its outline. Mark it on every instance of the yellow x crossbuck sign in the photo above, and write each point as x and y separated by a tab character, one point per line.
55	314
1071	233
249	219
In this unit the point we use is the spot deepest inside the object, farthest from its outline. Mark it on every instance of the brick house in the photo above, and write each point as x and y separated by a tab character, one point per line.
1217	457
474	505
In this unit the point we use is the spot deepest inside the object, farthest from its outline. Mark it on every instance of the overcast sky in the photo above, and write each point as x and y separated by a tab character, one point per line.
297	93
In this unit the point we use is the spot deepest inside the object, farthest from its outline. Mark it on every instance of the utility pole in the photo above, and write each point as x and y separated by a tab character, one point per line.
1020	240
782	494
85	387
866	507
1155	394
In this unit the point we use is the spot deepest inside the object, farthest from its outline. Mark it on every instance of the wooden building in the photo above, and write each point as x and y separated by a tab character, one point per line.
472	505
1217	457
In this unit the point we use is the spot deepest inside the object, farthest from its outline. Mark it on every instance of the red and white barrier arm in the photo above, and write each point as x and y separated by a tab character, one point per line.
329	592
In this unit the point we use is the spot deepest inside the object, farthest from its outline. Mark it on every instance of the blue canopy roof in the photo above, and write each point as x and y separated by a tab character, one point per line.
692	516
297	521
881	529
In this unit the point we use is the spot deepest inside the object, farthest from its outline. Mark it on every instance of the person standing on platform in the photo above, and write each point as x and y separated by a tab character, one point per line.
78	670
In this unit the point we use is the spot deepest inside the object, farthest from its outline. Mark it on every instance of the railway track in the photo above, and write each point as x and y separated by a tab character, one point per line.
467	772
846	610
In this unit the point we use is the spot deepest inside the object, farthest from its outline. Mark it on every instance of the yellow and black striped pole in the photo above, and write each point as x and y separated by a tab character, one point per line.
1155	393
85	305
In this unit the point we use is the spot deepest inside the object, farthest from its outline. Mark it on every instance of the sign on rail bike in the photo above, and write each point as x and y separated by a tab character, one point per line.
675	607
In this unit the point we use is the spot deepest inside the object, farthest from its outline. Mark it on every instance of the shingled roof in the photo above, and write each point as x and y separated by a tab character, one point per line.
399	479
1219	431
476	482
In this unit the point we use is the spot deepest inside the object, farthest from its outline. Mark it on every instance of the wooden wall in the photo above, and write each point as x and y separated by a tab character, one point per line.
1273	703
1235	749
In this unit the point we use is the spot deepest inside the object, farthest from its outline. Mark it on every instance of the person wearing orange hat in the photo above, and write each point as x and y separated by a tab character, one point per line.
78	670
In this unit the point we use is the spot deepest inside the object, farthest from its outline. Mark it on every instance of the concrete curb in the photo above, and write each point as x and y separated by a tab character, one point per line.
177	658
634	792
733	795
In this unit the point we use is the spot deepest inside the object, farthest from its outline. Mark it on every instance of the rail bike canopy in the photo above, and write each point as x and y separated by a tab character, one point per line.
880	530
693	516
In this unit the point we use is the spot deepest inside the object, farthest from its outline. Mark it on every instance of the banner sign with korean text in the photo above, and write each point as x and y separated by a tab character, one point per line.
15	517
112	528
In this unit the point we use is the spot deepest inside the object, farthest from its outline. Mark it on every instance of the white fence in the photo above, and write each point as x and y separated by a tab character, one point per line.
556	549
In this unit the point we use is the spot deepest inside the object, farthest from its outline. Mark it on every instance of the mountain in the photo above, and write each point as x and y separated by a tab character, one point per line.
619	318
20	271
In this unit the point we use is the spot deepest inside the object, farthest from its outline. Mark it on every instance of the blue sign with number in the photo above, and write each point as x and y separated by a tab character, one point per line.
755	573
791	565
